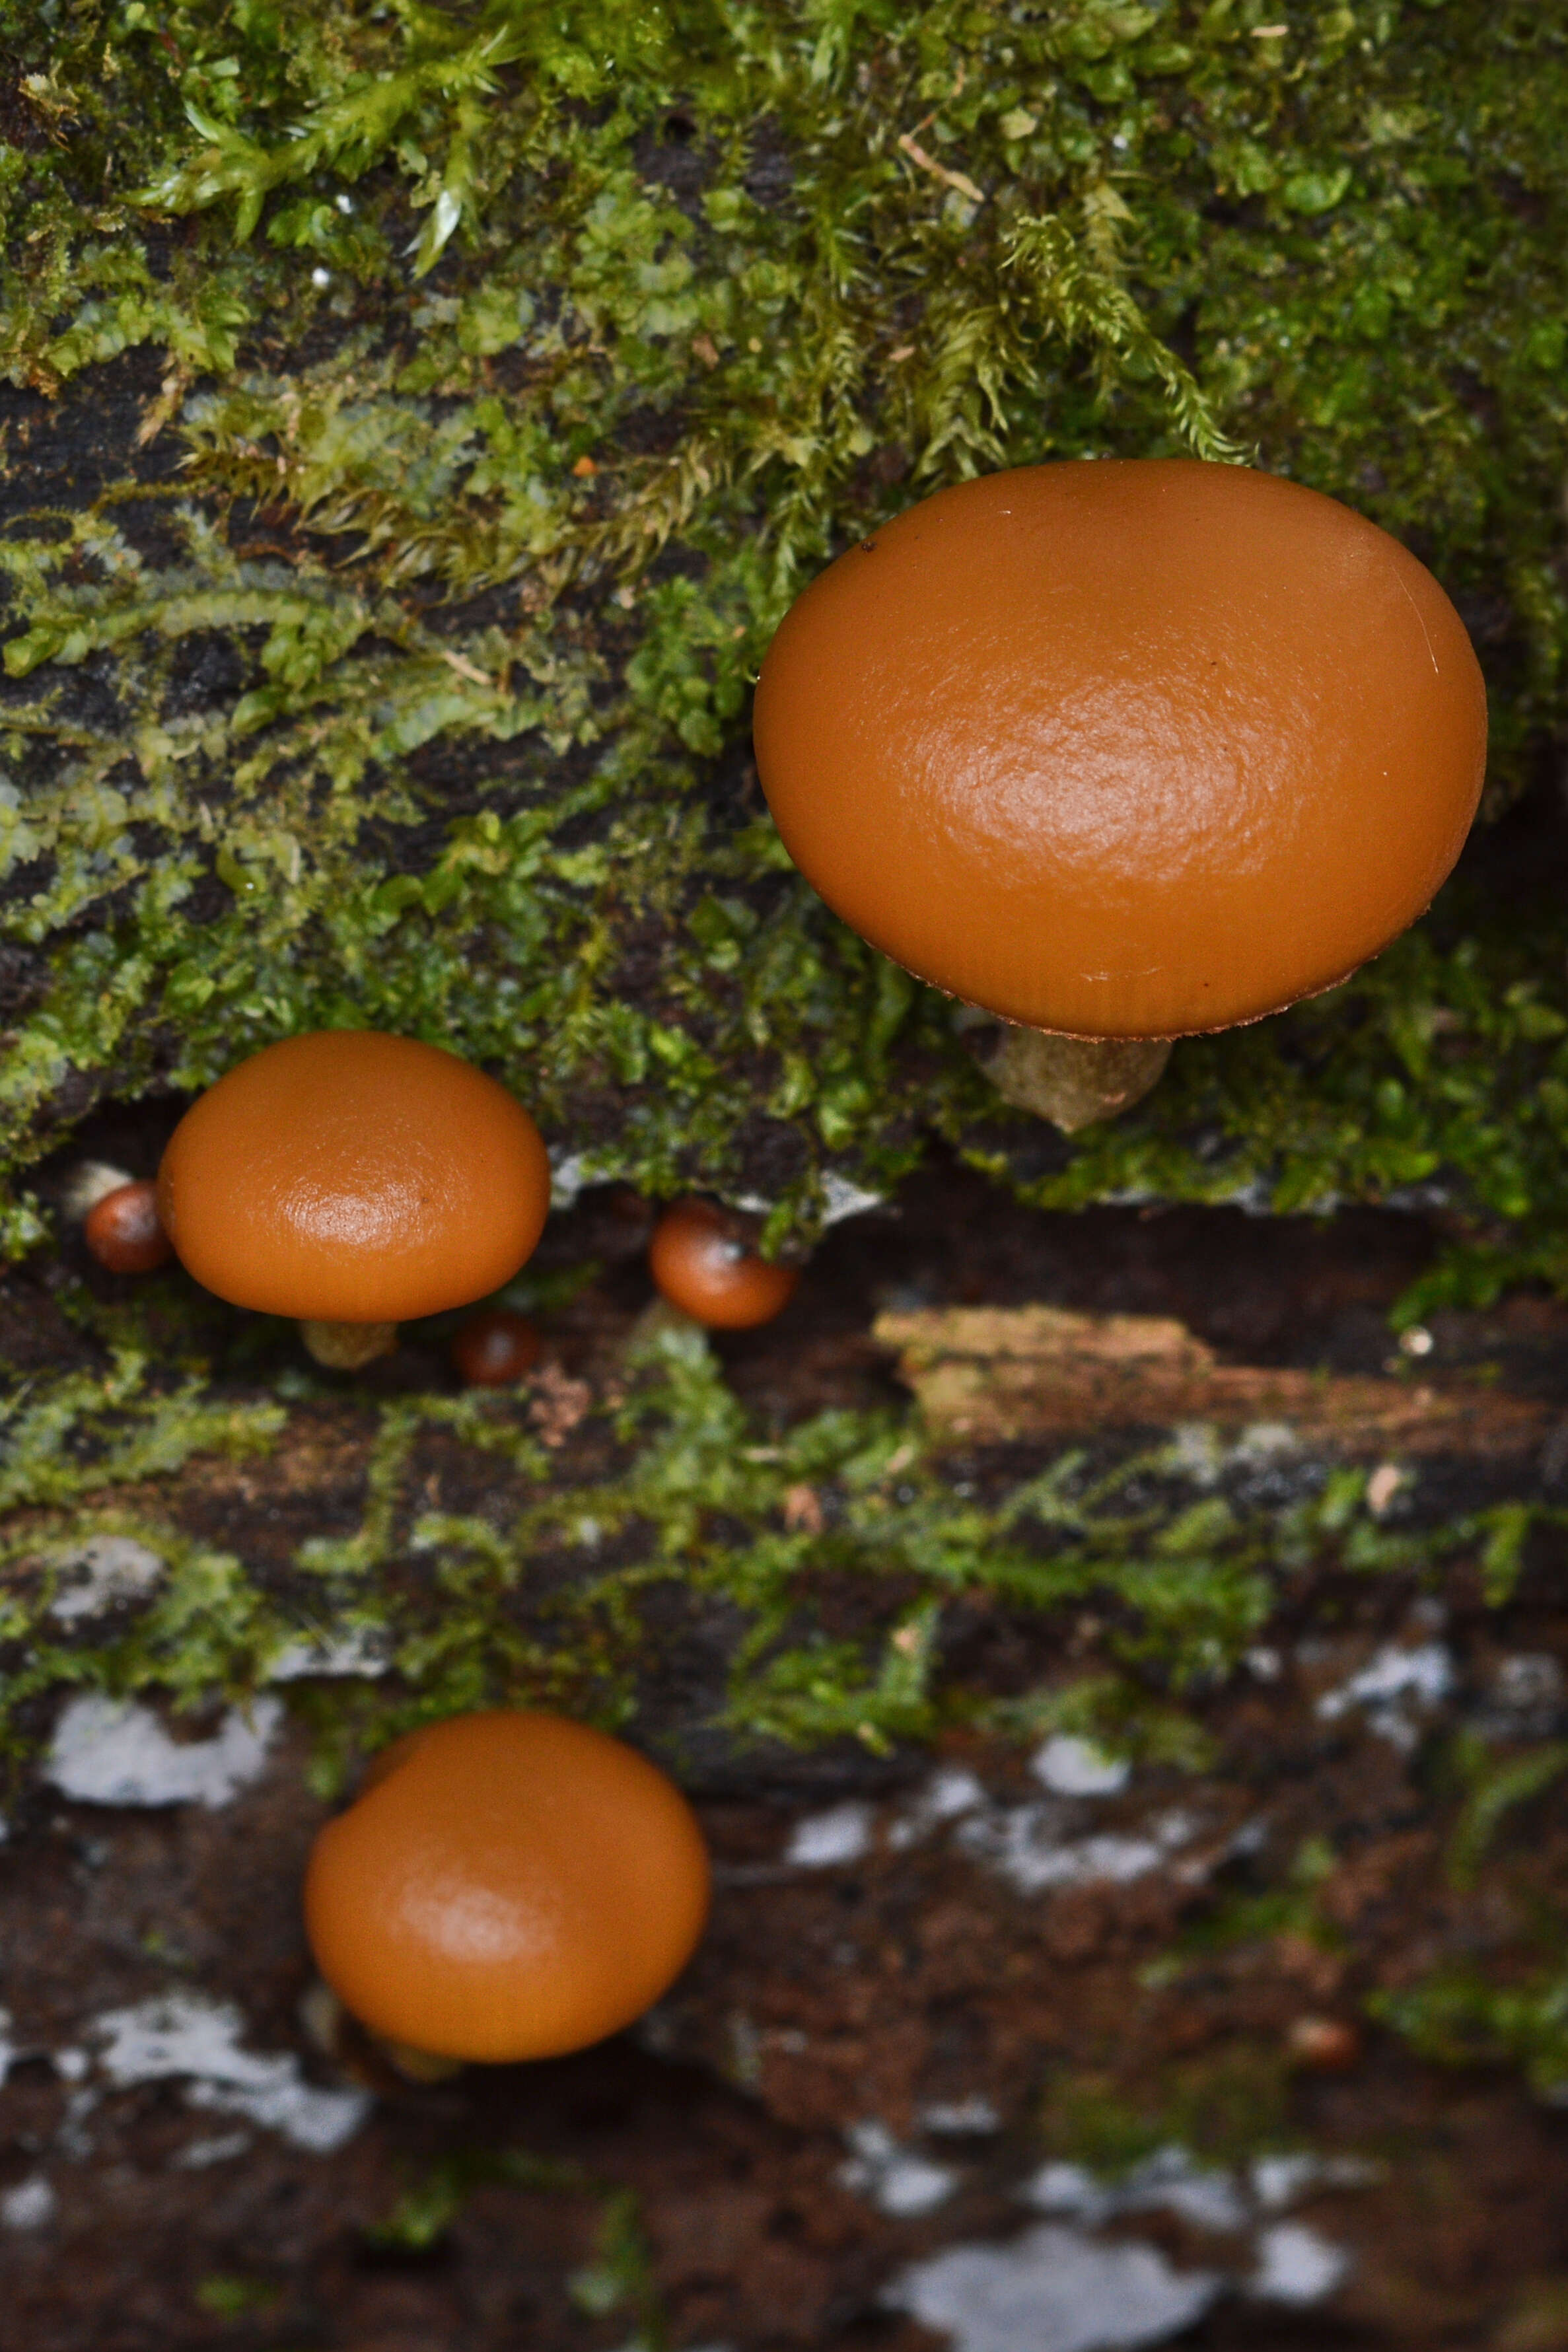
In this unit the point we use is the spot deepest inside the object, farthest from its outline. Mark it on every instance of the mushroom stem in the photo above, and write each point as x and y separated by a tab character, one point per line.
417	2066
344	1347
1073	1081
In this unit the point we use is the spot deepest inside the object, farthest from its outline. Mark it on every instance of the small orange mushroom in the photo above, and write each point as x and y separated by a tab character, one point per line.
1125	749
354	1179
495	1349
702	1260
1324	2045
125	1232
510	1886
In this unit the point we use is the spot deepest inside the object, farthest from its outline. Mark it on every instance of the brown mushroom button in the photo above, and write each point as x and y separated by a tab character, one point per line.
354	1178
512	1886
123	1230
1124	748
703	1263
495	1349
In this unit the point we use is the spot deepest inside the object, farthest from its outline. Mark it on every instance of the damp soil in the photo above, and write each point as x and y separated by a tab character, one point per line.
936	1977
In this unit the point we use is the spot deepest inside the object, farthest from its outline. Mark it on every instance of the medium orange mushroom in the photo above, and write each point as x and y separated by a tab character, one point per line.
510	1886
702	1259
352	1181
1121	750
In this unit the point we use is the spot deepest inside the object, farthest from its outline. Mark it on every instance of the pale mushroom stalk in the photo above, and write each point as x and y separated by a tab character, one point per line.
346	1346
1074	1081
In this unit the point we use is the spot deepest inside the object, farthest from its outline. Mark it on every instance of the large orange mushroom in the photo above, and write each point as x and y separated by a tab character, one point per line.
1124	749
352	1181
510	1886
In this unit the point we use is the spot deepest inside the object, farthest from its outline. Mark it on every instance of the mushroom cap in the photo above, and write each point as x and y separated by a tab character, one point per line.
348	1177
123	1230
495	1349
702	1262
512	1887
1124	749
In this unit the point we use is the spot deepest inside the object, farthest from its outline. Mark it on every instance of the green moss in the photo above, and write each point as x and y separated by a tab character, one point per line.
434	2198
572	1588
1226	2106
618	2280
228	2296
415	272
1462	2017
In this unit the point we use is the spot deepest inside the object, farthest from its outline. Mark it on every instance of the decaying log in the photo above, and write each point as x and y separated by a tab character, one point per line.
985	1375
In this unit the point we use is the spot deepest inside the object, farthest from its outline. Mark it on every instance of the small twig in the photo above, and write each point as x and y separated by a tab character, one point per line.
465	669
959	180
164	405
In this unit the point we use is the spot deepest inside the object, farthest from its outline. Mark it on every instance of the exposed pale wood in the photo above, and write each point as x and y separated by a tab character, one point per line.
988	1374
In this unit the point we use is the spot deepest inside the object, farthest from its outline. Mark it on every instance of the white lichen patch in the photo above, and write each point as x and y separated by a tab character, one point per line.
102	1573
1524	1697
898	2180
1025	1843
1172	2181
1262	1442
822	1841
199	2155
1077	1768
187	2036
1278	2181
1393	1690
841	1199
88	1183
571	1172
110	1751
974	2117
31	2204
1052	2290
1196	1452
1295	2265
361	1653
947	1796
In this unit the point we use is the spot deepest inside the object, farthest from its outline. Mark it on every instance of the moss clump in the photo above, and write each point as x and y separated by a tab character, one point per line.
1463	2017
665	1568
1228	2108
509	367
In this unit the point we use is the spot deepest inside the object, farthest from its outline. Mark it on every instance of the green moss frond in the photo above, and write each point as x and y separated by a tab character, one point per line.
516	364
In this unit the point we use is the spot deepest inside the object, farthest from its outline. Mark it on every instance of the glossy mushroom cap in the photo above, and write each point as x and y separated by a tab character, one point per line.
1126	748
123	1230
702	1261
512	1887
348	1177
495	1349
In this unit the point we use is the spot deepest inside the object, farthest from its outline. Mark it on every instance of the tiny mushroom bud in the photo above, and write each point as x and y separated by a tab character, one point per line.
507	1887
703	1262
1123	750
354	1179
491	1350
123	1230
1324	2045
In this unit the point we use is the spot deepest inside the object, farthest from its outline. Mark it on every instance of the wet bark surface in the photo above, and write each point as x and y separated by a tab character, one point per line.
962	2001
